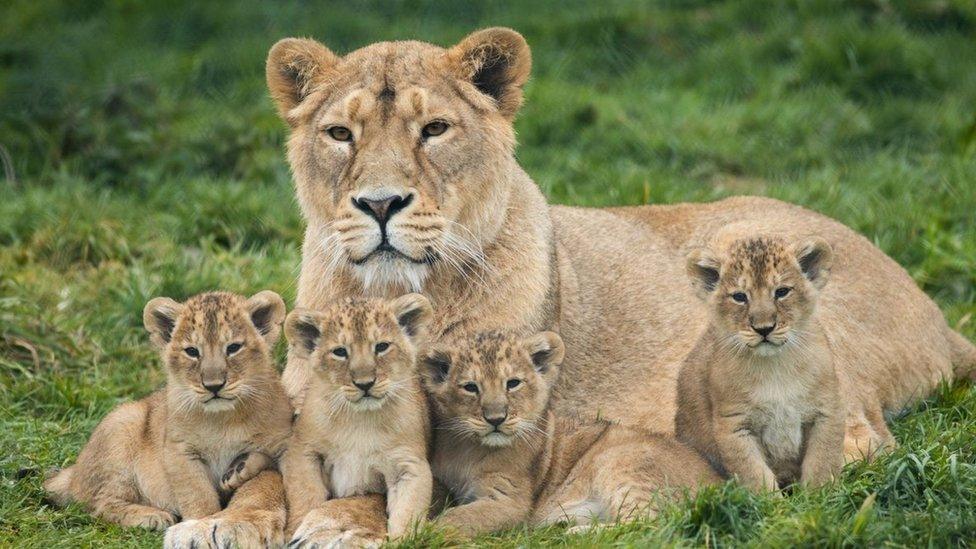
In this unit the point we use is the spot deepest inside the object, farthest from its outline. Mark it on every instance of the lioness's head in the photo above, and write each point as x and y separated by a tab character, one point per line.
493	387
401	150
361	350
761	290
216	346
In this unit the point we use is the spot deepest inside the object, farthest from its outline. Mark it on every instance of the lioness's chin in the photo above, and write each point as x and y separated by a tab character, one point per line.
496	439
385	271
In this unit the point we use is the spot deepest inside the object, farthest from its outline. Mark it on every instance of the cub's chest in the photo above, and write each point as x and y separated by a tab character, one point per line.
780	408
356	461
219	447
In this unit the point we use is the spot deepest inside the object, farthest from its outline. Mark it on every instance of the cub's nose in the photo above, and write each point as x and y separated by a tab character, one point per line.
764	330
382	209
495	421
214	387
365	386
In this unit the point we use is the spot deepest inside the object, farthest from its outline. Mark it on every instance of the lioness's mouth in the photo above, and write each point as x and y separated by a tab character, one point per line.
385	251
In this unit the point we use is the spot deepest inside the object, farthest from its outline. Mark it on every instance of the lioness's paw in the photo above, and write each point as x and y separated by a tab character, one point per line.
242	469
214	534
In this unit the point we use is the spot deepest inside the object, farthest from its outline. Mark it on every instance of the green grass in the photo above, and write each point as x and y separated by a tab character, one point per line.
149	161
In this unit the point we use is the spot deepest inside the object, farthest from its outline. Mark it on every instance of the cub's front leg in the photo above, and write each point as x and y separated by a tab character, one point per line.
189	481
824	456
244	467
501	503
305	488
740	451
409	489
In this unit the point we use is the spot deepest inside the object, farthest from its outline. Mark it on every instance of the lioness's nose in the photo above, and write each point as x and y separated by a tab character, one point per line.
382	209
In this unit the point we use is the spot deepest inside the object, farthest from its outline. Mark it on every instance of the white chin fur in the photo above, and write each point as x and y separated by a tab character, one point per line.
367	404
381	273
496	439
767	349
219	405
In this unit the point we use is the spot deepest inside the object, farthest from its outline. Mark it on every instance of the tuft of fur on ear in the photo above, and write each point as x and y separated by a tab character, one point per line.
547	352
159	317
498	62
413	312
815	257
303	328
436	366
294	67
267	312
703	269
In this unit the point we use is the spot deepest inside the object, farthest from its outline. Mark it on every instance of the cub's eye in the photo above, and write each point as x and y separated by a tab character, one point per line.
470	387
382	346
782	292
339	133
740	297
434	129
340	352
513	383
233	348
192	352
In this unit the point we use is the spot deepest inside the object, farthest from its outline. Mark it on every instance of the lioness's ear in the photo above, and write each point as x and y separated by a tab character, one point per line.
703	269
159	318
547	352
294	67
498	62
303	330
267	312
435	367
815	257
413	312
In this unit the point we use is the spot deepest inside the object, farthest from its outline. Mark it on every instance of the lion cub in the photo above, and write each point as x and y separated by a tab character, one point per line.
507	458
364	425
758	395
222	418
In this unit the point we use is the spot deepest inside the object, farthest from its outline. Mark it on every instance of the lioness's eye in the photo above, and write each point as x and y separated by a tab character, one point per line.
192	352
339	133
382	346
513	383
434	129
233	348
740	297
470	387
340	352
782	292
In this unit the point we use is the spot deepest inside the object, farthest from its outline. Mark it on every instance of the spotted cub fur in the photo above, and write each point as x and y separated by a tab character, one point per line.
364	425
508	458
222	418
758	394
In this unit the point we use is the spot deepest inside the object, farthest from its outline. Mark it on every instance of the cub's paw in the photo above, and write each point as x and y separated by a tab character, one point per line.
242	469
214	533
319	531
151	519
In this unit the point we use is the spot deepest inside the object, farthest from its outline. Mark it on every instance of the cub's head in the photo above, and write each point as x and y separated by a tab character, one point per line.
762	291
216	346
402	152
492	387
361	350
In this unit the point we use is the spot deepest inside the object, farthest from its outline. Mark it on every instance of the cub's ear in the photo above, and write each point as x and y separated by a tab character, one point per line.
703	268
547	352
303	328
159	317
815	257
267	311
413	312
435	367
294	67
498	62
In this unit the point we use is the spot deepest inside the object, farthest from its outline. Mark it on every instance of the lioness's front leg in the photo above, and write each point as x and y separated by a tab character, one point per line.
740	452
305	486
244	468
189	482
409	490
824	449
501	504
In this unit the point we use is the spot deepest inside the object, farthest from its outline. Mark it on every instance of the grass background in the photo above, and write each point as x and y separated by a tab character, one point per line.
148	161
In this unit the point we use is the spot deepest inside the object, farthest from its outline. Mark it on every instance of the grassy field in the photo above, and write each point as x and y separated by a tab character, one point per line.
148	161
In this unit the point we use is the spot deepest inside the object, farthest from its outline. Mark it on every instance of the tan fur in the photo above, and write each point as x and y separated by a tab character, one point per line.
364	427
532	464
758	395
611	281
173	452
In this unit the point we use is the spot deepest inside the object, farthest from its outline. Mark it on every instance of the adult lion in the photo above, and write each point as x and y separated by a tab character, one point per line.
402	154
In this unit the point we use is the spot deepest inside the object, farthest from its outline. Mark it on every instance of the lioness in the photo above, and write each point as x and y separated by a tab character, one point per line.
758	395
365	426
404	165
172	454
506	456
